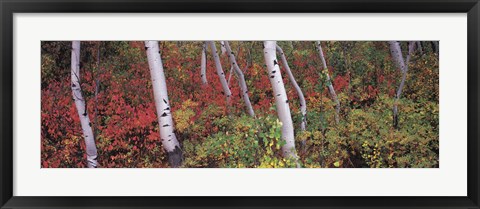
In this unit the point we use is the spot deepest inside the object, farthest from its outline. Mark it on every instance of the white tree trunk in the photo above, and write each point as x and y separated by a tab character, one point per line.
396	53
82	107
241	79
221	75
230	75
203	65
281	100
329	82
420	48
164	115
222	47
436	47
303	106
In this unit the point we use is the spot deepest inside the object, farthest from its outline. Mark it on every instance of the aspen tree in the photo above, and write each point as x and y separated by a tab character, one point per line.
420	48
303	106
81	106
331	90
203	64
164	115
435	46
230	73
222	47
396	52
221	75
241	79
281	100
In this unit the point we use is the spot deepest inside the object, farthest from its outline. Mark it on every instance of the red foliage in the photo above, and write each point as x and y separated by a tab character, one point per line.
340	82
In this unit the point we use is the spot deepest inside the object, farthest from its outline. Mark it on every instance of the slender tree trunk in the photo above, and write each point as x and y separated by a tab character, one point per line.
230	75
203	65
435	46
420	48
97	86
221	75
241	79
81	106
222	47
349	72
231	72
396	53
281	100
249	56
303	106
164	115
329	82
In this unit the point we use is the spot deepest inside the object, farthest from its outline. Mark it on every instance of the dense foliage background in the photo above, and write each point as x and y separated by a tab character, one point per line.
116	84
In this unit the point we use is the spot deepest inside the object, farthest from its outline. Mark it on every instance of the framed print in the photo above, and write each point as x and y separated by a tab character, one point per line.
265	104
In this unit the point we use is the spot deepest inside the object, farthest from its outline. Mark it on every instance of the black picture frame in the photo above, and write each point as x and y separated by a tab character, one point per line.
9	7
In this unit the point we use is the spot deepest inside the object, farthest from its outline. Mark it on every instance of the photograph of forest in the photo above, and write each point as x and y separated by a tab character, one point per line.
240	104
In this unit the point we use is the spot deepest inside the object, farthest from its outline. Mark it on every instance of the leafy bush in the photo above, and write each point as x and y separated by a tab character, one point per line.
366	138
245	143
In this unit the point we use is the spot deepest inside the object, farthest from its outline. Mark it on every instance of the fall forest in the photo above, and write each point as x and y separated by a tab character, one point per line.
240	104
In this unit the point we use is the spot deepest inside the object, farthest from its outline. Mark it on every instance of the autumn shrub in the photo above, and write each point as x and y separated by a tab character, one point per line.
245	142
366	138
422	79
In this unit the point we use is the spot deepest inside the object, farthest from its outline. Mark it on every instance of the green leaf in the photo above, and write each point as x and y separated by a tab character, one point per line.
336	164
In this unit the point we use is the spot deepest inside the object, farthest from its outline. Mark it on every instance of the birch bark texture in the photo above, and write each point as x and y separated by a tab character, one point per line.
230	75
241	79
222	47
303	106
81	106
329	82
397	55
281	100
203	64
221	75
396	52
164	115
